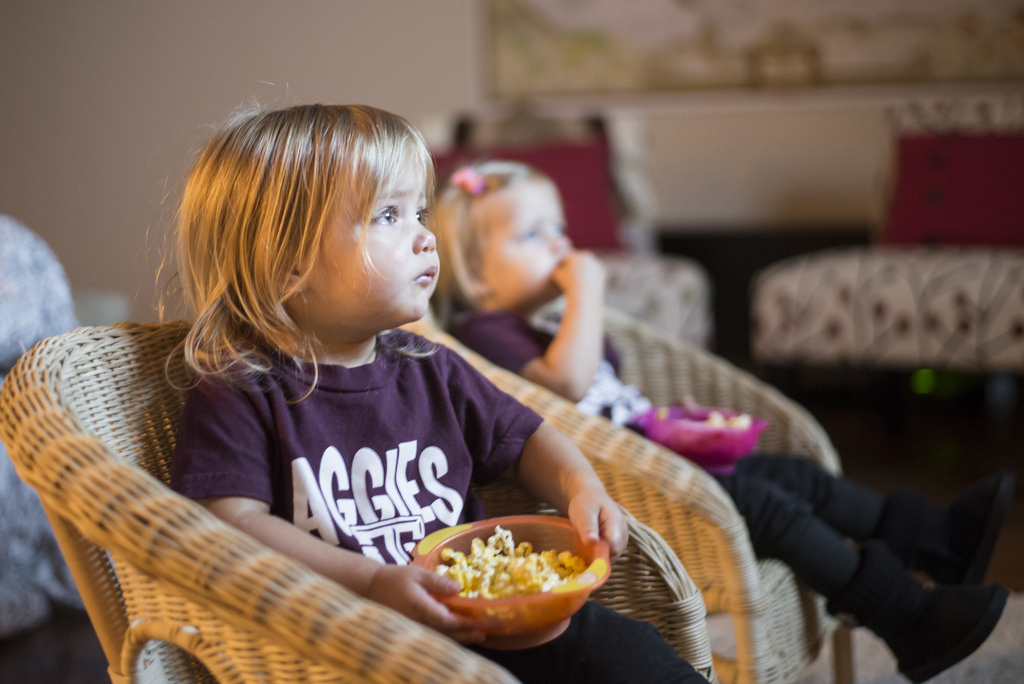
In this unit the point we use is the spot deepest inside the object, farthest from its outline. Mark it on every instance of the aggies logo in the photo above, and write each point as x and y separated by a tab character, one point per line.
376	502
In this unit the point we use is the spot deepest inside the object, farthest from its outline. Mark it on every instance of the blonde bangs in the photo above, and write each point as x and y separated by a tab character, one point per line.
379	145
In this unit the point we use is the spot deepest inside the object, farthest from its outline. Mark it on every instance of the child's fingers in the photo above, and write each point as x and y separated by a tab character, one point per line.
587	523
474	636
439	584
614	530
461	628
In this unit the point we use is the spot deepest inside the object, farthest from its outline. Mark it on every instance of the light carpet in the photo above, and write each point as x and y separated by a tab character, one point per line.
1000	660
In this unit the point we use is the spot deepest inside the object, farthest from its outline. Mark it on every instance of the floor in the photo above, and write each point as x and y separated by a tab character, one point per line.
886	435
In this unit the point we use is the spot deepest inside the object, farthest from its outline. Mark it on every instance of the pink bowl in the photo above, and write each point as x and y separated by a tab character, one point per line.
684	430
521	621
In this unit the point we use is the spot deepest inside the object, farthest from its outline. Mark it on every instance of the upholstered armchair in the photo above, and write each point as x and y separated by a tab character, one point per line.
943	285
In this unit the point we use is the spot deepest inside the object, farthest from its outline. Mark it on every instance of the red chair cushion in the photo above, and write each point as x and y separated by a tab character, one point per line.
582	173
958	190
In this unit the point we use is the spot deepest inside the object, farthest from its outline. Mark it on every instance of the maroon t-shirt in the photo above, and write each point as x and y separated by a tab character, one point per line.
373	460
512	342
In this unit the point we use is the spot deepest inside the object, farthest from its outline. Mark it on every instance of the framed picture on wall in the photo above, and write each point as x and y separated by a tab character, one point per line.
593	47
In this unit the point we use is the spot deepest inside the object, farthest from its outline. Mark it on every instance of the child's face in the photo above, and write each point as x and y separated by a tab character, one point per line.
348	299
524	242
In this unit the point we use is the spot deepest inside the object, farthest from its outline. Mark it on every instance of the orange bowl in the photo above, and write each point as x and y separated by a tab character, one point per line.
520	621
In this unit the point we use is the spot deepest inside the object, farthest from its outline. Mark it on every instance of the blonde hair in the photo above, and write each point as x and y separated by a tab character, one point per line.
461	236
255	207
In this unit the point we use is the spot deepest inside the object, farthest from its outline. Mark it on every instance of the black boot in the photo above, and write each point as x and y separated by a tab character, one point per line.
952	545
927	629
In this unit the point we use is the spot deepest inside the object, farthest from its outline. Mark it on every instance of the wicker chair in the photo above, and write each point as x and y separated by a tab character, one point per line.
780	626
176	595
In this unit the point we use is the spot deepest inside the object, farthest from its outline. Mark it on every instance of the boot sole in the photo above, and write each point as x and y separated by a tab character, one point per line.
994	519
969	644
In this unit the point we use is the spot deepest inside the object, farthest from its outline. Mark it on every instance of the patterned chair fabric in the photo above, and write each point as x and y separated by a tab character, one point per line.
672	294
35	298
959	308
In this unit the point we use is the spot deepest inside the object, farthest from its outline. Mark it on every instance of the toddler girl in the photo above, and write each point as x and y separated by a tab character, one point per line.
502	231
317	426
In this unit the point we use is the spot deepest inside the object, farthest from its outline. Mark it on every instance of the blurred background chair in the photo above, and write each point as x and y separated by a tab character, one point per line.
943	284
176	595
778	627
599	166
35	302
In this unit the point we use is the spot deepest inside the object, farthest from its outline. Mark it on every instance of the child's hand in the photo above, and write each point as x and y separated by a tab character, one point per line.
580	271
409	588
553	467
596	516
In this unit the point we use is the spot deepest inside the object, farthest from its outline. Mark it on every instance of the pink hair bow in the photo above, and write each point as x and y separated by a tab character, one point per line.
469	180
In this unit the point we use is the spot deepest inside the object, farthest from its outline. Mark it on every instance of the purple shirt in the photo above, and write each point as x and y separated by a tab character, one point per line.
373	460
512	342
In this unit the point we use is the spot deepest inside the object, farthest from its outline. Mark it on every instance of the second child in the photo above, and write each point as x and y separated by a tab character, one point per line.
503	239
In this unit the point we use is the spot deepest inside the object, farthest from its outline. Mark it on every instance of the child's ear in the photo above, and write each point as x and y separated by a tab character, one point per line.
293	283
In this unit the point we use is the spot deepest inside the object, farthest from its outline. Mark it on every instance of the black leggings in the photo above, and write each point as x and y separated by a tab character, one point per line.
800	514
599	646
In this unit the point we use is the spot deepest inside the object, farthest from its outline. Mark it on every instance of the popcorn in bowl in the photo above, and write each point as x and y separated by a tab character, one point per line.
509	587
500	568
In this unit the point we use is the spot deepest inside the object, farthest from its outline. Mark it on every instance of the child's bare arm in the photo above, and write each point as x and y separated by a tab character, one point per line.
405	588
570	362
554	469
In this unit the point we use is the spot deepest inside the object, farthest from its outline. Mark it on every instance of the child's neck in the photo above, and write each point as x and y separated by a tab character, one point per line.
520	313
525	310
349	355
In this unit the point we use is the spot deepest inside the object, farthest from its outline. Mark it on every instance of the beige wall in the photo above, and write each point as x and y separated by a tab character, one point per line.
790	167
102	104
